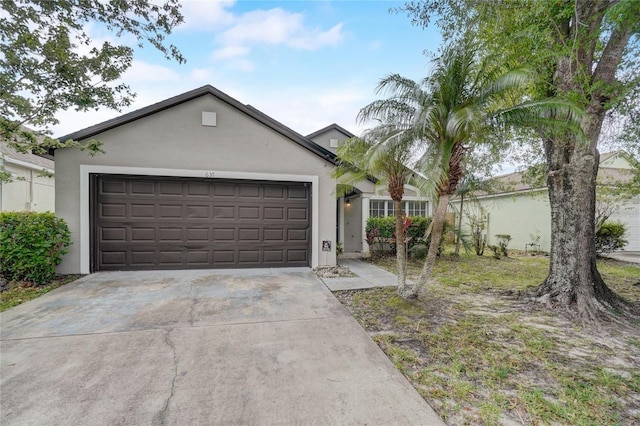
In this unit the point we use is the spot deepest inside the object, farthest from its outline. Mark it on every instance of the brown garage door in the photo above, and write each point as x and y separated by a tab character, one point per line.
142	222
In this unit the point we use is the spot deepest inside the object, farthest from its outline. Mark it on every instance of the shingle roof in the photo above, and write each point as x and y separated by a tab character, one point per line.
515	182
333	126
36	160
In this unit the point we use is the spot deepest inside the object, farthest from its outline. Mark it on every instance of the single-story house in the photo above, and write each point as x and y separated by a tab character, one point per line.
31	186
522	210
202	180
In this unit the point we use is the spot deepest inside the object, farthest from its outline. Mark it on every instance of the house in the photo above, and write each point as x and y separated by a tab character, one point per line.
365	200
202	180
30	185
522	210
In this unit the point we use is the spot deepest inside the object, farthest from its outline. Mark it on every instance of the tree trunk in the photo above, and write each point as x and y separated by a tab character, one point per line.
459	233
438	221
401	251
574	281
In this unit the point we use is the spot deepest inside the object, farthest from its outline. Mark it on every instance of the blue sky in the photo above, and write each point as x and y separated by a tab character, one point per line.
307	64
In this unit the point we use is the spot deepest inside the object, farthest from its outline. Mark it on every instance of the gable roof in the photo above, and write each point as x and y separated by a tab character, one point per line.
330	127
193	94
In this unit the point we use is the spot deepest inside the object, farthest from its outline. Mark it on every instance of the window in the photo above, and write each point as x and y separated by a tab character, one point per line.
416	208
377	208
381	208
333	143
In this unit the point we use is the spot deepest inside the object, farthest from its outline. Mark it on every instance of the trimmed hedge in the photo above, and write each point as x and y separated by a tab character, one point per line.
383	235
31	245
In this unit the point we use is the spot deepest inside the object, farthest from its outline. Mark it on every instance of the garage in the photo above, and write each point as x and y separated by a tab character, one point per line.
159	222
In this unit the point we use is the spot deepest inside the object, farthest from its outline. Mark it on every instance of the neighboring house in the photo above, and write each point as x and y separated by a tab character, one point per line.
31	186
366	200
522	210
201	180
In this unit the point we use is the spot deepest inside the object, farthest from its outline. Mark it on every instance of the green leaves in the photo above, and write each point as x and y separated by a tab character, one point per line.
49	63
31	245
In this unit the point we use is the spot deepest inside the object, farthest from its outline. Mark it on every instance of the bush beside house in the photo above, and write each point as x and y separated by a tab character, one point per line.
31	245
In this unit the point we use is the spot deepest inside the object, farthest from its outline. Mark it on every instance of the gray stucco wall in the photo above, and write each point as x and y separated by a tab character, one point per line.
175	139
324	139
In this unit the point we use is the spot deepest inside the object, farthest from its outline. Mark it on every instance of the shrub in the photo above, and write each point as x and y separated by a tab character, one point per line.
503	242
497	253
31	245
381	230
478	239
419	251
610	237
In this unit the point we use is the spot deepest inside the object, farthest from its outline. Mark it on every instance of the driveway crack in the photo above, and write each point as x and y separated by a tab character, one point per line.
160	418
194	301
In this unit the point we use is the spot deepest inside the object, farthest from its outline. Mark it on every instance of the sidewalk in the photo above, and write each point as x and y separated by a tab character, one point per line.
368	276
626	256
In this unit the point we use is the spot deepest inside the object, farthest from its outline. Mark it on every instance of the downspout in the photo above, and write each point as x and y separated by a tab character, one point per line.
30	201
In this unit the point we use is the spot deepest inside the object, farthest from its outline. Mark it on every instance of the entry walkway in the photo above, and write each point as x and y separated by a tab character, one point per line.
368	276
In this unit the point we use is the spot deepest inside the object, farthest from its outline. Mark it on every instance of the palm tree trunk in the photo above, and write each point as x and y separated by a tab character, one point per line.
459	226
401	251
436	235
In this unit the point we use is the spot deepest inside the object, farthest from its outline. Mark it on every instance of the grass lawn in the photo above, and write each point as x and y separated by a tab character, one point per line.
20	292
481	356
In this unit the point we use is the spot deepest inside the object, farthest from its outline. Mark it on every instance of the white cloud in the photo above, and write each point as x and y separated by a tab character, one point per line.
206	14
231	52
274	27
317	39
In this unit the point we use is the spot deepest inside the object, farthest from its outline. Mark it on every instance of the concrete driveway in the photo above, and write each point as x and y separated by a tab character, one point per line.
197	347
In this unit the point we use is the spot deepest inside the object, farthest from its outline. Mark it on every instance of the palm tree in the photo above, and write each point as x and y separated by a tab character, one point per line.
383	152
448	112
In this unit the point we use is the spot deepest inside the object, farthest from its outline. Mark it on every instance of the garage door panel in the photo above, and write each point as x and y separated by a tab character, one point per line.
143	234
143	258
198	212
172	223
223	212
170	189
198	257
199	189
113	187
198	234
274	235
297	213
170	211
143	211
276	192
297	255
245	212
142	188
113	234
114	210
224	190
248	256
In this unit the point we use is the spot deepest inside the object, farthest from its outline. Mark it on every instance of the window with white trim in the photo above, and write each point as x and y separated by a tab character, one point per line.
377	208
416	208
381	208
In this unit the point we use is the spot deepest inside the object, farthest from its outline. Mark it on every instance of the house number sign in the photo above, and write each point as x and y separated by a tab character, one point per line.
209	174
